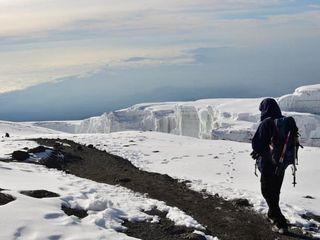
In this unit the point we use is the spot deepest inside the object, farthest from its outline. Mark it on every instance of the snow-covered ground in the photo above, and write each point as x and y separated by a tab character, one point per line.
107	205
217	166
231	119
222	167
21	129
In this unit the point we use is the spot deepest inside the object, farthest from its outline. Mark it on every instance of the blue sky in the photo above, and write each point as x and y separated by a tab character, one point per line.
150	50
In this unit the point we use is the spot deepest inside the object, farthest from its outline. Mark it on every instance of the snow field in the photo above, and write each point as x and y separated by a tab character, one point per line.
218	167
107	205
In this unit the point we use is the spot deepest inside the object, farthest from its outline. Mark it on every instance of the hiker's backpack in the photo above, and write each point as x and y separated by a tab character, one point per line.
285	141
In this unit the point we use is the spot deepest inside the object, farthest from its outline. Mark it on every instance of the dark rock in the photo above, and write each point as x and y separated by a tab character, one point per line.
309	197
20	155
122	180
38	149
79	148
40	194
80	213
90	146
310	216
7	135
57	145
175	230
5	198
156	151
55	160
242	202
194	236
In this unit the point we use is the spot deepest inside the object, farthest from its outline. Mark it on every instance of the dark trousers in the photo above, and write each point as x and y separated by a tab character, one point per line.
270	188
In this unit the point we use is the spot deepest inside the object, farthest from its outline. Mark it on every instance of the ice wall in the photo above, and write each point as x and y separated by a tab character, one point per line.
231	119
194	119
304	99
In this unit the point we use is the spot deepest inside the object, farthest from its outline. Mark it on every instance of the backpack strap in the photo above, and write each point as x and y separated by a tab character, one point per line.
280	166
284	147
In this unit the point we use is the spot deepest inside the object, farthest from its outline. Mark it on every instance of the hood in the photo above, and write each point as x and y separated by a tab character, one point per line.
269	108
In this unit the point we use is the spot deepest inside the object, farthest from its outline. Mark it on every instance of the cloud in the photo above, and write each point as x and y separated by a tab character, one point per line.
19	18
44	40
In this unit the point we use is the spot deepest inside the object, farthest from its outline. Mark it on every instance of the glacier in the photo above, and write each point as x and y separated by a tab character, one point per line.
229	119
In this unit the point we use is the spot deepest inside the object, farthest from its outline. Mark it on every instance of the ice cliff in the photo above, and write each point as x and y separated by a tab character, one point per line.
232	119
304	99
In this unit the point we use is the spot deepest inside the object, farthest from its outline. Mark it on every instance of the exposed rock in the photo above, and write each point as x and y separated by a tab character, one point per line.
80	213
194	236
40	194
57	145
38	149
242	202
79	148
7	135
309	197
20	155
90	146
122	180
5	198
310	216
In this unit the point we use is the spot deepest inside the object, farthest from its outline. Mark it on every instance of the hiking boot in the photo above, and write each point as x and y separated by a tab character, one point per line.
280	229
270	218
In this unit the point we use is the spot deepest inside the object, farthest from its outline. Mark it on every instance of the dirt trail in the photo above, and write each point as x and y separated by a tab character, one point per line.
224	219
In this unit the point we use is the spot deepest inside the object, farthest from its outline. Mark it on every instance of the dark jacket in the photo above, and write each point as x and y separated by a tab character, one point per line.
261	141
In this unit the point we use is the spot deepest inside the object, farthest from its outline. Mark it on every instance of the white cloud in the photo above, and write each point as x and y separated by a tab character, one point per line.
34	16
20	69
118	30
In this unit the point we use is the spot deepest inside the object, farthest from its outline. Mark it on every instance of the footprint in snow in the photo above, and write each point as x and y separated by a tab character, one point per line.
53	215
6	168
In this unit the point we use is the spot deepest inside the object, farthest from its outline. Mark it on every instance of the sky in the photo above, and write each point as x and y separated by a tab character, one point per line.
78	58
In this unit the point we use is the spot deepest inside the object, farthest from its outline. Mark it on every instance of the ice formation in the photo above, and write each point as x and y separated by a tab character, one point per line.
231	119
304	99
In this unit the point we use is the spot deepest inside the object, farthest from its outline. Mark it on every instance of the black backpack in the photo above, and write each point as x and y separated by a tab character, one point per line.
285	144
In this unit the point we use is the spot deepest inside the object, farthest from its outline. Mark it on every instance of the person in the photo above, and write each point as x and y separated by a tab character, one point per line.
271	179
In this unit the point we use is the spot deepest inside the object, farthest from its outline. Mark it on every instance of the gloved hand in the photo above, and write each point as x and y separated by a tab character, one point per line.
254	155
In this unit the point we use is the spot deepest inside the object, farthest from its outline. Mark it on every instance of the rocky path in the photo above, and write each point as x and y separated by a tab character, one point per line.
224	219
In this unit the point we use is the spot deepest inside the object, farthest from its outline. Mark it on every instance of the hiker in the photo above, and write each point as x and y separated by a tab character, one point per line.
267	148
